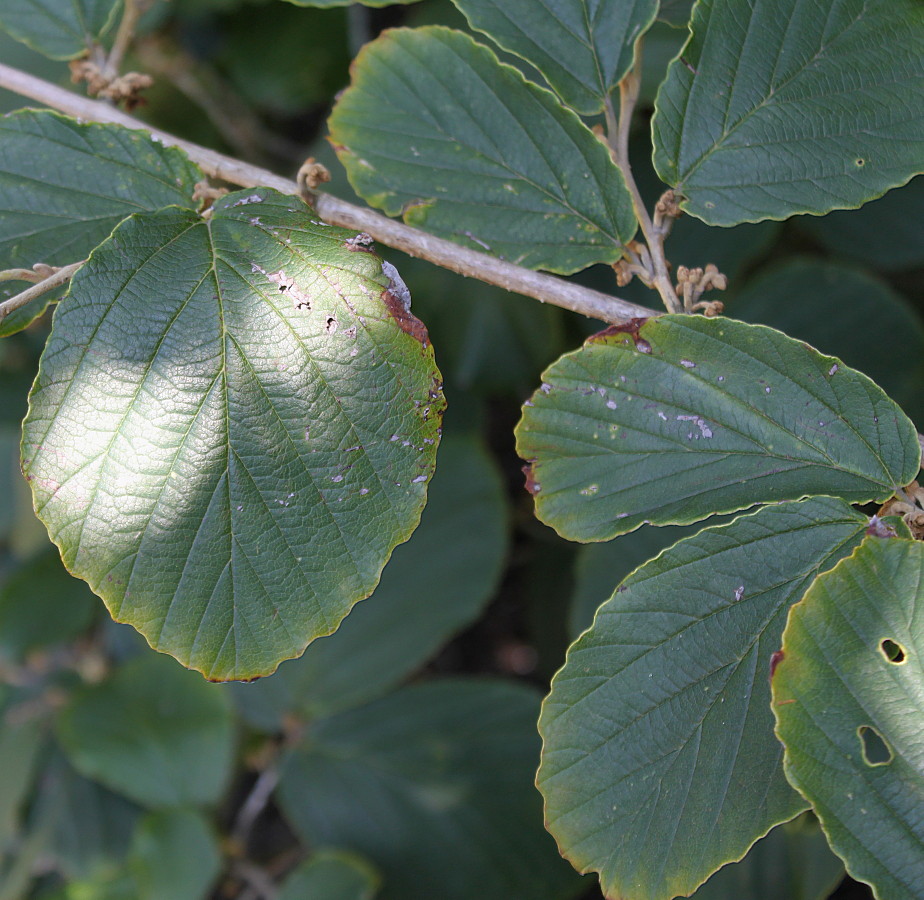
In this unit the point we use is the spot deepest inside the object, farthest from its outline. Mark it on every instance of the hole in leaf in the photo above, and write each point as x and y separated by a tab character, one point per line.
893	652
860	163
876	752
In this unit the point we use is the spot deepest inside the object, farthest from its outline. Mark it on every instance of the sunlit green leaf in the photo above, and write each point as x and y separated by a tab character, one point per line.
669	420
153	732
659	761
434	585
233	425
583	47
752	121
434	785
332	875
848	695
58	30
435	129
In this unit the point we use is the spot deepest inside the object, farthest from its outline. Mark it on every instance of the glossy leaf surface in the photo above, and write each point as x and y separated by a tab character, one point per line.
659	760
64	186
582	47
58	30
680	417
233	425
435	585
434	779
752	121
332	875
849	700
435	129
153	732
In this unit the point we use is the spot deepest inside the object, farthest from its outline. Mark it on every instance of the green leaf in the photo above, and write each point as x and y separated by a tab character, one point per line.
434	586
849	700
64	185
434	784
21	741
792	862
174	854
92	827
332	875
59	30
152	732
264	421
325	4
23	317
675	12
672	419
40	604
792	107
845	312
600	567
887	233
436	129
659	762
582	47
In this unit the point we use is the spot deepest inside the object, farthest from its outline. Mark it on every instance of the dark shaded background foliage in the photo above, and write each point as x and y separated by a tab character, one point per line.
256	79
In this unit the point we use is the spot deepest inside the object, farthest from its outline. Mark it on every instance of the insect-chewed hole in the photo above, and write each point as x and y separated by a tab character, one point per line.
860	162
876	752
893	651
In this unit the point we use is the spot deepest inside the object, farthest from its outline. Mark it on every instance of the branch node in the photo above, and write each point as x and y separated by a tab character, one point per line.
117	88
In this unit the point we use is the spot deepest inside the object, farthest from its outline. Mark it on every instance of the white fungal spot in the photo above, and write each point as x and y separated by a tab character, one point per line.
252	198
704	430
545	388
833	369
396	285
590	490
611	404
363	492
688	364
336	479
419	479
662	416
739	592
394	437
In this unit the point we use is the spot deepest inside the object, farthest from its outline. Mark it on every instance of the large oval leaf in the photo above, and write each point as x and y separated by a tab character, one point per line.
670	420
791	107
59	30
434	128
436	584
434	784
582	47
659	762
233	425
849	702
